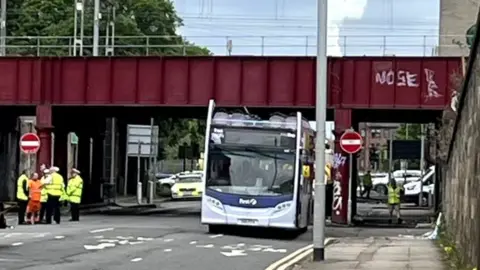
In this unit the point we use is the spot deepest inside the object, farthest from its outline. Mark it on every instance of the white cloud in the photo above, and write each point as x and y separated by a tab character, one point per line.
337	11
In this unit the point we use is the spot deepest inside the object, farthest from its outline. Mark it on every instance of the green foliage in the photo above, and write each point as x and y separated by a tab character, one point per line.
176	132
142	27
138	24
453	256
470	35
409	131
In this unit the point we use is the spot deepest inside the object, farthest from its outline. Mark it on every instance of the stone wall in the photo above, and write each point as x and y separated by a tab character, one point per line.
461	185
456	16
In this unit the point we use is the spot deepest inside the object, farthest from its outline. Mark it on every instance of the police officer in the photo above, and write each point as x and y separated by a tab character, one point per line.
394	199
22	196
367	184
55	190
74	193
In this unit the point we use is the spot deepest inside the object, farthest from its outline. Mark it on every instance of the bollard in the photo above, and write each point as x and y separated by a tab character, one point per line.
139	192
151	186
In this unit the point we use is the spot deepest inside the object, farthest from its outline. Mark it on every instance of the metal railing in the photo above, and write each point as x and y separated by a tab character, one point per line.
371	45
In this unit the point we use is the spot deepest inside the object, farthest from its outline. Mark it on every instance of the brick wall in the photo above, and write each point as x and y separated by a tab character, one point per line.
461	196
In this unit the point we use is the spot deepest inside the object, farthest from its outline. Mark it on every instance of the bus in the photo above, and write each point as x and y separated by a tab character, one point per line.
257	173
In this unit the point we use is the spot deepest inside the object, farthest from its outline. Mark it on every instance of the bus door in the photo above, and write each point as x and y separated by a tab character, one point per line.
304	195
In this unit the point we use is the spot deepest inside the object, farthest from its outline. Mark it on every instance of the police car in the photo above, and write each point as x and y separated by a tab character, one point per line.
187	186
164	184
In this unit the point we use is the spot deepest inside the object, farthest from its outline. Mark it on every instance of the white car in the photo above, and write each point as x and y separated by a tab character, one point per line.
380	180
164	185
412	189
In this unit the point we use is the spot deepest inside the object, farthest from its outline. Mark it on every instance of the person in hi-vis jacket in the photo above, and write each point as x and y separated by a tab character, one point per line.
74	194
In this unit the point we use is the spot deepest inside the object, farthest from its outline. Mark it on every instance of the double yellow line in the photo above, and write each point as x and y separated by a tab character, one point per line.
295	257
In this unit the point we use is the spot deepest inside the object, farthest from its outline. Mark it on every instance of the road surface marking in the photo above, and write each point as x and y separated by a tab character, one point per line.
205	246
193	242
108	240
167	250
255	249
136	260
168	240
285	259
136	243
59	237
234	253
9	260
144	239
17	244
294	257
216	236
123	242
102	230
100	246
282	250
261	246
98	237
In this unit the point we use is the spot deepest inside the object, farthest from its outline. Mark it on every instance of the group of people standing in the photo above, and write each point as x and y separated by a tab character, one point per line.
40	197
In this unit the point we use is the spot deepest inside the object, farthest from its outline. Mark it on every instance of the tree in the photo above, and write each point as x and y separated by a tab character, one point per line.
151	26
409	131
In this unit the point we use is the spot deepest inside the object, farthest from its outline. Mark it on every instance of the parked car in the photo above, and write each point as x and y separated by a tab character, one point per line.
380	181
412	189
164	185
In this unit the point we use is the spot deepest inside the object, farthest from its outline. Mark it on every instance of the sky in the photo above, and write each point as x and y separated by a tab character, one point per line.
288	27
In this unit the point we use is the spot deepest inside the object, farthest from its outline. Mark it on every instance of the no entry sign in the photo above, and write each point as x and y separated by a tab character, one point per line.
351	142
29	143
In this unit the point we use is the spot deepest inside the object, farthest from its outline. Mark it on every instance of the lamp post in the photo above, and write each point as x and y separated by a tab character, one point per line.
320	118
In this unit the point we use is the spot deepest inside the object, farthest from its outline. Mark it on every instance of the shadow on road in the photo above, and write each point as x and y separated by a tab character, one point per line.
261	233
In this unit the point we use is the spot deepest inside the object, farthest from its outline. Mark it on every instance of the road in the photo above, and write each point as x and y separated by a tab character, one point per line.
142	242
164	240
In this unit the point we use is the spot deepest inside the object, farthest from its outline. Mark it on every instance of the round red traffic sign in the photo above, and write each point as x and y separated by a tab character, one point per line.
351	142
29	143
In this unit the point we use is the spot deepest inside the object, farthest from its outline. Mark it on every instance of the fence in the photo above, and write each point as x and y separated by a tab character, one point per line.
373	45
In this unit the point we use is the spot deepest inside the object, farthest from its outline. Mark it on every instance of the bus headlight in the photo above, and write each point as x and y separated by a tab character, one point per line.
214	203
282	207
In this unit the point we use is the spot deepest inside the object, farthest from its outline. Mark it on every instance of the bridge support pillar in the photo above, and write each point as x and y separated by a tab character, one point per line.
343	121
44	130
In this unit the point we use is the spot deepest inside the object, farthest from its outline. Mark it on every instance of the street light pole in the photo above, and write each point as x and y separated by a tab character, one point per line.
320	118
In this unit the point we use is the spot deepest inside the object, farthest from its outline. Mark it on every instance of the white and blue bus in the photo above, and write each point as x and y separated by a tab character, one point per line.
257	172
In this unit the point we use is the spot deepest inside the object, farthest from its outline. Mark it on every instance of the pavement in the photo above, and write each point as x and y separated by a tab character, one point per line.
378	253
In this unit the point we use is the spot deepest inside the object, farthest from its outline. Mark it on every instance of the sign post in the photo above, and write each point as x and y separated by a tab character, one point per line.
350	142
29	144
